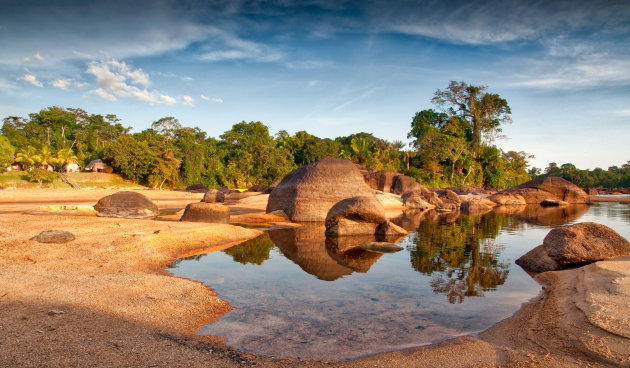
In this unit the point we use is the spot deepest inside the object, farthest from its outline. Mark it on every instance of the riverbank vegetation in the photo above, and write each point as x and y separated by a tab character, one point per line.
451	145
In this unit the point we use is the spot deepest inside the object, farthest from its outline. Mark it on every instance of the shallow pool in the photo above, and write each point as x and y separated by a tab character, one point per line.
296	294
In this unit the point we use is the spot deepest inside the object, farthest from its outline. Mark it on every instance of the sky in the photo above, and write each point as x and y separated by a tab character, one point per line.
330	67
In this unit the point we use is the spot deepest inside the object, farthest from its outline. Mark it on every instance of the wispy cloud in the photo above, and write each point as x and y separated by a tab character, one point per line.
117	79
365	93
188	101
61	83
228	46
32	79
35	56
211	99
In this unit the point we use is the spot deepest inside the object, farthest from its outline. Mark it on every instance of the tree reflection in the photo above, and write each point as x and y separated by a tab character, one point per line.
461	256
254	251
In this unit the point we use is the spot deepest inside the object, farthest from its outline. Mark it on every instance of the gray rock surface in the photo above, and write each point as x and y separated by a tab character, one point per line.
206	212
53	236
126	204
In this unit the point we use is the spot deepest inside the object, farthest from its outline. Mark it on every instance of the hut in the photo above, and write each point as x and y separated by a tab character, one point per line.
47	167
71	167
97	166
16	166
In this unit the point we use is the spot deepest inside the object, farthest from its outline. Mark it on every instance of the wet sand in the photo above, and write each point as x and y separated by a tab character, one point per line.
106	299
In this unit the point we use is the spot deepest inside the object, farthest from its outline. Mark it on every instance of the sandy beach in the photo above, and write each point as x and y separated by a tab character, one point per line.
107	299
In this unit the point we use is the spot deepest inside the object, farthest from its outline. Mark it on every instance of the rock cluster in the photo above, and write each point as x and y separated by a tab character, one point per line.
543	189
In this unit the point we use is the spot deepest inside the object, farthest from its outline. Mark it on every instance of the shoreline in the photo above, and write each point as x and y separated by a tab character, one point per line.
121	305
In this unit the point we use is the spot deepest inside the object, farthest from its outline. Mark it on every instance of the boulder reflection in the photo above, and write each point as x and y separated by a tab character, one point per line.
545	216
461	256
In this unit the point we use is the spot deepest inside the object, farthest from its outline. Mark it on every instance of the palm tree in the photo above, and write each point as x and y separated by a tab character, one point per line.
28	157
64	156
45	157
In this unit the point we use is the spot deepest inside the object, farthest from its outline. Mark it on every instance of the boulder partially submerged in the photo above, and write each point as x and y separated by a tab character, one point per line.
360	216
575	245
308	193
544	189
126	204
206	212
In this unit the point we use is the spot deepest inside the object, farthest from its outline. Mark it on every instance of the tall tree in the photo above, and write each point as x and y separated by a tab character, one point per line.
484	112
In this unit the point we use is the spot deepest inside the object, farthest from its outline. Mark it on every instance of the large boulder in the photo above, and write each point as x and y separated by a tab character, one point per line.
126	204
308	193
574	245
508	199
360	216
380	180
206	212
474	205
213	196
553	188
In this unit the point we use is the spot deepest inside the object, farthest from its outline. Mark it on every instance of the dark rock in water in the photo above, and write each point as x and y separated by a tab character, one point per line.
574	245
206	212
549	188
553	203
197	188
380	180
126	204
213	196
53	236
382	247
308	193
389	229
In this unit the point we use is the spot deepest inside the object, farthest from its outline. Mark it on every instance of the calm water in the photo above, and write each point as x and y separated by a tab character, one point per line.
296	294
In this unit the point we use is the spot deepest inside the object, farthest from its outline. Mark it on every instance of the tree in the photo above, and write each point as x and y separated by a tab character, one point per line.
484	112
64	156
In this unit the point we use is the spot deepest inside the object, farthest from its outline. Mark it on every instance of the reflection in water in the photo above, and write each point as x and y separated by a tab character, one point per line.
545	216
254	251
462	257
286	305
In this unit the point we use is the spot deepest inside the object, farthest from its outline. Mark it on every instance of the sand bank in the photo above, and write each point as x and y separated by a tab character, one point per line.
106	299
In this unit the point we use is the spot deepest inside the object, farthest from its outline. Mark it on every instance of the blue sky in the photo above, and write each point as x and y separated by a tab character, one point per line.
331	68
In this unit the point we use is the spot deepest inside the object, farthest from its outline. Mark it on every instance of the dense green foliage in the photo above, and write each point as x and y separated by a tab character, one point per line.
450	147
614	177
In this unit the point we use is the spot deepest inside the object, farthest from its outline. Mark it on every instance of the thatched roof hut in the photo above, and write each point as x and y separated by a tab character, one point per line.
96	166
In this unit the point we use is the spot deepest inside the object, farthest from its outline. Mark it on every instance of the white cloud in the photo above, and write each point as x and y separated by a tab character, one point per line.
313	83
167	100
81	85
119	79
188	79
230	47
62	83
35	56
104	94
30	78
188	101
210	99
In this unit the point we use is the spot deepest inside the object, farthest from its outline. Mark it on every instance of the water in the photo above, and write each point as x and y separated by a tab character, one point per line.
298	294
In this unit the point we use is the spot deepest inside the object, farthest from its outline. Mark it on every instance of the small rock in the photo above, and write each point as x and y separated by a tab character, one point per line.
382	247
53	236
